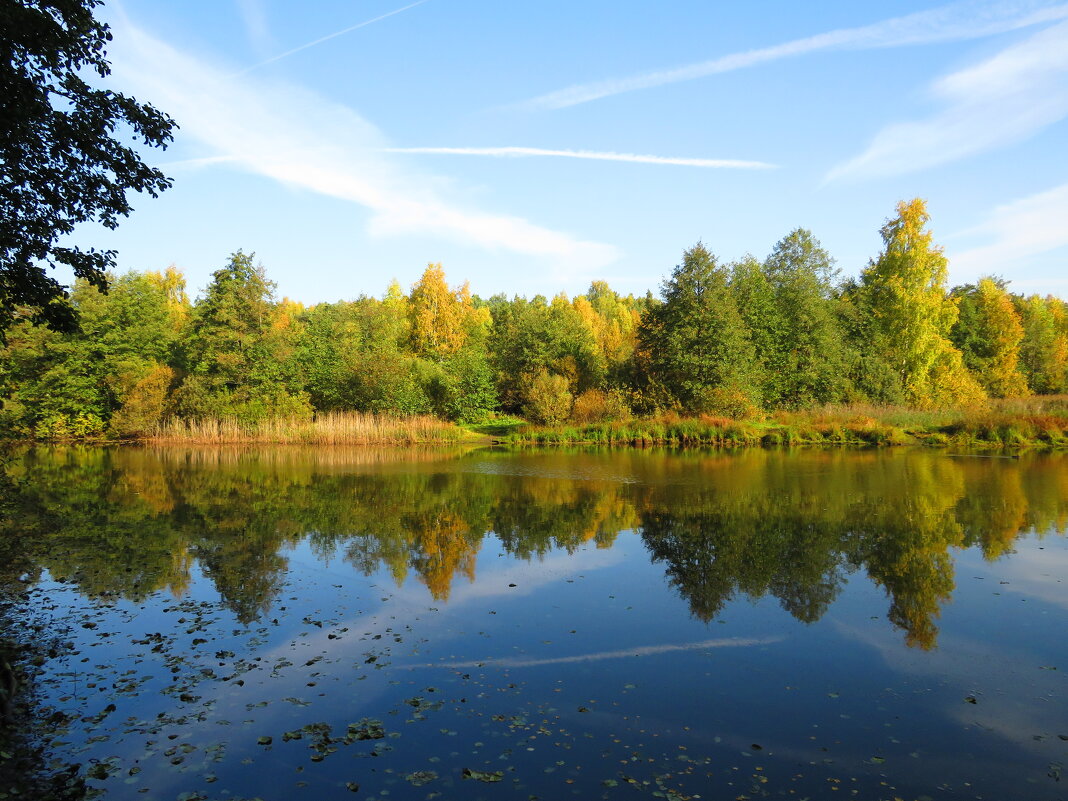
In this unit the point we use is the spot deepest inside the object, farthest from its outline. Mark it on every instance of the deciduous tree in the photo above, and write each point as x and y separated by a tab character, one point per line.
912	314
63	161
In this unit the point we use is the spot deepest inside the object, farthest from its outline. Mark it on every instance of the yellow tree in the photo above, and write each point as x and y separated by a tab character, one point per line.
913	314
440	317
992	333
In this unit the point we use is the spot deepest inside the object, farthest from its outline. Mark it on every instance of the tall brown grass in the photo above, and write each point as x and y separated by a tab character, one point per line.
332	428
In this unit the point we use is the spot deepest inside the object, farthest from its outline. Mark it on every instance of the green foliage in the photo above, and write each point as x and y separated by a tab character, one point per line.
236	348
737	343
64	163
464	390
548	399
813	353
696	341
1044	348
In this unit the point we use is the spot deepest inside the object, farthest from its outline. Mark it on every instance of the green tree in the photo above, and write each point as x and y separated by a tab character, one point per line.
813	357
63	161
694	348
755	298
912	314
115	370
235	352
1044	348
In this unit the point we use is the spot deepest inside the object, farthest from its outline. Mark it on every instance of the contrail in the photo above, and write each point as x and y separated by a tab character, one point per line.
334	35
969	19
646	650
583	154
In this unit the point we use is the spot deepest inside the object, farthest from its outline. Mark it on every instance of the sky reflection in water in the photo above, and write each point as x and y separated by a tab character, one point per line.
553	624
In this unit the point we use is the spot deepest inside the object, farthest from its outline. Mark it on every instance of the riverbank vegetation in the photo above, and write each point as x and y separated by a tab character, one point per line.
779	350
1041	422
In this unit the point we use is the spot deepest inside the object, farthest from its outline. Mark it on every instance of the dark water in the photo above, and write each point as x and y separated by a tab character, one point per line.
289	624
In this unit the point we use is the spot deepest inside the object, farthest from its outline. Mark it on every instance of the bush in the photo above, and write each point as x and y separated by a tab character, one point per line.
732	402
548	399
143	403
597	406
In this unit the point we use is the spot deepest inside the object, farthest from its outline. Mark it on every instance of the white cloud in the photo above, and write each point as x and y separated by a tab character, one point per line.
634	158
1002	100
1024	228
303	140
964	20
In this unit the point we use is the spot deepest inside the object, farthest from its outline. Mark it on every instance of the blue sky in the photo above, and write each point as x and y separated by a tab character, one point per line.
534	147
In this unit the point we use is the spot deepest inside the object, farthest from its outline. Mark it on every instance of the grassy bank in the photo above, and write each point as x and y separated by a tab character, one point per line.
340	428
1040	422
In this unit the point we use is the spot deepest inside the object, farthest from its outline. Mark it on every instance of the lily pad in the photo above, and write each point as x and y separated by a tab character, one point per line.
483	775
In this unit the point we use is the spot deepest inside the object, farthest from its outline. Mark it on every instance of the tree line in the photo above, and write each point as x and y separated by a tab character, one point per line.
734	340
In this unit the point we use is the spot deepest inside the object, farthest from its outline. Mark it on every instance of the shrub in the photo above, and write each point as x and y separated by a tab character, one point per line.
598	406
548	399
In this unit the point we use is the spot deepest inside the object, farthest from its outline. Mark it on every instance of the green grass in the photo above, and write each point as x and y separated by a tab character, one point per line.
1040	422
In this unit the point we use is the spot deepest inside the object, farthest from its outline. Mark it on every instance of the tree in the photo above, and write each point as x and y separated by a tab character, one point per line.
695	347
62	163
905	293
1044	350
814	358
439	315
988	333
238	349
755	298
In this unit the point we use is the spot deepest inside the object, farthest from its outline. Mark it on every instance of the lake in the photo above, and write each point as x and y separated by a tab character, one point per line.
286	623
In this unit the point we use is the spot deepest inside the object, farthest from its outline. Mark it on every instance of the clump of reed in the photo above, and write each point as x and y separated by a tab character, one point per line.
330	428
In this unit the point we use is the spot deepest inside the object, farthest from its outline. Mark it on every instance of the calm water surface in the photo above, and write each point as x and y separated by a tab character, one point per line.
291	624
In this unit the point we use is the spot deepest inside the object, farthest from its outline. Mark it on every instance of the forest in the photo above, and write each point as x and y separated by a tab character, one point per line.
736	340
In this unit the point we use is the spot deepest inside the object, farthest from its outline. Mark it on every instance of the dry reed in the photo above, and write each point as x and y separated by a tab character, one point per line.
331	428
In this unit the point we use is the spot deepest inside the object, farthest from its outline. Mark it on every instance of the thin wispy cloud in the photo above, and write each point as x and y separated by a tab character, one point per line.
187	164
633	158
1002	100
254	17
303	140
1020	230
965	20
333	35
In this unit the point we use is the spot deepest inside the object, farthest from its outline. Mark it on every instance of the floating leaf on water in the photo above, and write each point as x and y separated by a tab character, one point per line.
353	787
483	775
264	740
971	699
421	777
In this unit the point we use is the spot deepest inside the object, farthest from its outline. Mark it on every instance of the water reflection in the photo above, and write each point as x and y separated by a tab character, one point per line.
126	523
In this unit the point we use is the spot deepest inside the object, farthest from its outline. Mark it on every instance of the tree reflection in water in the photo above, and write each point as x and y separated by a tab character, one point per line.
129	522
